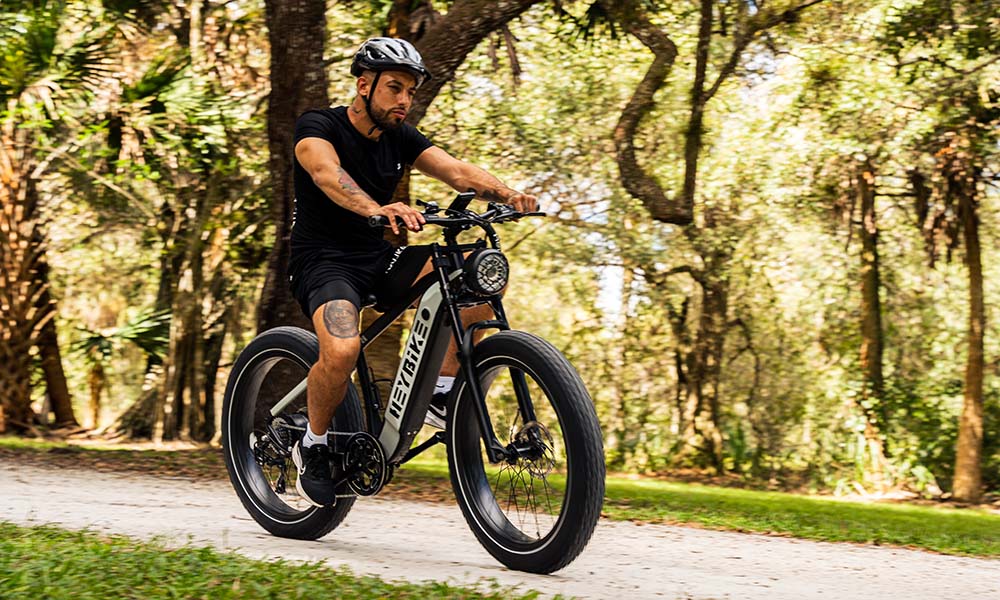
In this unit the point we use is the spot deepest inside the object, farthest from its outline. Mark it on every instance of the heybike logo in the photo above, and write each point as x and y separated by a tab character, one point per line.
408	366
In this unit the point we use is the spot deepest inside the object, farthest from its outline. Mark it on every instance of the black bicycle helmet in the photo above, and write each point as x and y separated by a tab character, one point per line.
389	54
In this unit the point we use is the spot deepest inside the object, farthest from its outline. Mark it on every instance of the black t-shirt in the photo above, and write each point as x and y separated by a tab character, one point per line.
376	166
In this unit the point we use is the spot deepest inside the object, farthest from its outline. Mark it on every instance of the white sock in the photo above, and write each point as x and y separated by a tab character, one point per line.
444	384
311	439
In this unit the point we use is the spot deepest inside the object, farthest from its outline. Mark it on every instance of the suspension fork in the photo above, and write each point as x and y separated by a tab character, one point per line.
516	375
443	265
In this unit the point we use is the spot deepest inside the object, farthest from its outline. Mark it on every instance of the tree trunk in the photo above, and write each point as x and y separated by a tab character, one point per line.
95	381
139	420
48	348
871	405
968	455
194	393
682	347
713	331
296	32
21	255
182	414
701	417
213	356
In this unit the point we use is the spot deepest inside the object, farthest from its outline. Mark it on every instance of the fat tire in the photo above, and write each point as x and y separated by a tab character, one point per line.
584	494
301	346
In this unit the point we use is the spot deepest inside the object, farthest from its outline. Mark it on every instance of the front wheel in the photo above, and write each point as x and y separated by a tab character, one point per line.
537	512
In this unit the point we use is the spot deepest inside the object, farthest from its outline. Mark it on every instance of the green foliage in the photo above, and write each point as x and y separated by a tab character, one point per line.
166	162
967	26
38	64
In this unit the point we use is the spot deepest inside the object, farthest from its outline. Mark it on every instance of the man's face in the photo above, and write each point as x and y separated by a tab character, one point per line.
392	99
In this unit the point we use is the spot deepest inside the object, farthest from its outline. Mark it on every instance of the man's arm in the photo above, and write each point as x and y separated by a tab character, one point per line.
320	160
463	176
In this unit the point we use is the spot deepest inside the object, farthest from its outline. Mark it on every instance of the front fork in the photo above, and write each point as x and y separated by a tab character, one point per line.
495	451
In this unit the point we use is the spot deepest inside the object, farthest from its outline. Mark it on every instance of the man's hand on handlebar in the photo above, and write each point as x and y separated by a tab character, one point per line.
413	219
522	202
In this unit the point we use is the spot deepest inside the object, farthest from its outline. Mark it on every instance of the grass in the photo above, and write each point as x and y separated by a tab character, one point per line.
967	531
50	563
948	530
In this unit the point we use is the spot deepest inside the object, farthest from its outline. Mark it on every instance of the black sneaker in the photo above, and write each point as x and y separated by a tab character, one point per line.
437	412
315	482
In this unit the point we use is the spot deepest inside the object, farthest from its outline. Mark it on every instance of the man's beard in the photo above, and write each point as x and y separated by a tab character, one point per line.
384	119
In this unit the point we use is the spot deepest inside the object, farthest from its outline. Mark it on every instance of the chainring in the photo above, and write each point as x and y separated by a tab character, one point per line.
364	464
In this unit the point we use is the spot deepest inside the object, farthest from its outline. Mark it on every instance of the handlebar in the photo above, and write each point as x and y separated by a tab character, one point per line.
460	218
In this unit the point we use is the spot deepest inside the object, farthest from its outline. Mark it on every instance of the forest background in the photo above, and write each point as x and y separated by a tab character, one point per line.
771	246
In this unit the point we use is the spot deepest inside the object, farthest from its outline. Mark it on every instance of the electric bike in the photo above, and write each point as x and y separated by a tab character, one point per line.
523	442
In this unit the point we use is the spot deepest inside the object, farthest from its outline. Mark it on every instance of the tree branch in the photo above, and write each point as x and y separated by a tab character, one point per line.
453	36
637	182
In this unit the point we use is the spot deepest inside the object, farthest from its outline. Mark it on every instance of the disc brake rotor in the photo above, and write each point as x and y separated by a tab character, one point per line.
540	460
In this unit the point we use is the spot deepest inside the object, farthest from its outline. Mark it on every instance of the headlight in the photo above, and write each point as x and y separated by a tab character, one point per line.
486	271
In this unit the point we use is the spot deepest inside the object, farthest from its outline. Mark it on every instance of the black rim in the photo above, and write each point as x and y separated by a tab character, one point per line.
522	502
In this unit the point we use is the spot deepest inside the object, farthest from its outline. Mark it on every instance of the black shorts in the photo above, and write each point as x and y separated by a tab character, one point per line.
321	275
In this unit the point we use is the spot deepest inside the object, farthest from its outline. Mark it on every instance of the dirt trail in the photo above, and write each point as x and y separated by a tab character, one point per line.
415	541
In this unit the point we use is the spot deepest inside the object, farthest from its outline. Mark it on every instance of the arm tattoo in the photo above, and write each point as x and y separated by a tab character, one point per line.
341	319
347	182
348	194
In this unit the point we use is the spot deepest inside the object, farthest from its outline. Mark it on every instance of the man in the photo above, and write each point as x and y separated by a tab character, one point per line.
348	161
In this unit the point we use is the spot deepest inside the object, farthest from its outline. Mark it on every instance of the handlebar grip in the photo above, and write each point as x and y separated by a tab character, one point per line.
383	221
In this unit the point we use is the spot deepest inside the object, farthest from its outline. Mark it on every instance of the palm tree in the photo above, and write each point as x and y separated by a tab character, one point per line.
51	54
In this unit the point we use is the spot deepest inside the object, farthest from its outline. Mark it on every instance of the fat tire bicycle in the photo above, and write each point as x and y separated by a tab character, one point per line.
524	446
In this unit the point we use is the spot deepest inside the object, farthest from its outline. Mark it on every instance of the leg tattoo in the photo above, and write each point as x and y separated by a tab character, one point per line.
341	319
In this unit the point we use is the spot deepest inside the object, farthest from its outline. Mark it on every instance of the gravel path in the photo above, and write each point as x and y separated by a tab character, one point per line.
415	541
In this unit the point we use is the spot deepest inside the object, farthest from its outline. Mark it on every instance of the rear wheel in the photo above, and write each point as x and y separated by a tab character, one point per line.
536	512
257	446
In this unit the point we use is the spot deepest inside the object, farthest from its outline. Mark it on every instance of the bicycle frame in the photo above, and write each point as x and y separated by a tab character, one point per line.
437	316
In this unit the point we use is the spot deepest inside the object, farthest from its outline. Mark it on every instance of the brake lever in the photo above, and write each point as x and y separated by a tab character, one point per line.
430	208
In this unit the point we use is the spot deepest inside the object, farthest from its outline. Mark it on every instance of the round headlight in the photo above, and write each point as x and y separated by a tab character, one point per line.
486	271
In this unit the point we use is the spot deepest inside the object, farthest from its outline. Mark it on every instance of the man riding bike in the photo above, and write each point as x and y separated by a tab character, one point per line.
348	162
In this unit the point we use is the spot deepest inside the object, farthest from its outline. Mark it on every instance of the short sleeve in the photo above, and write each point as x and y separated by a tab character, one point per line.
412	143
312	124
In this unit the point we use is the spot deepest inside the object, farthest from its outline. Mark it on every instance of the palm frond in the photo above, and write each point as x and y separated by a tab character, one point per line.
162	74
148	330
139	13
47	50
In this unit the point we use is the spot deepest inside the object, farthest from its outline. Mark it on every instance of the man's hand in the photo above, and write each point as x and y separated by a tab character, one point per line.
411	216
523	202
